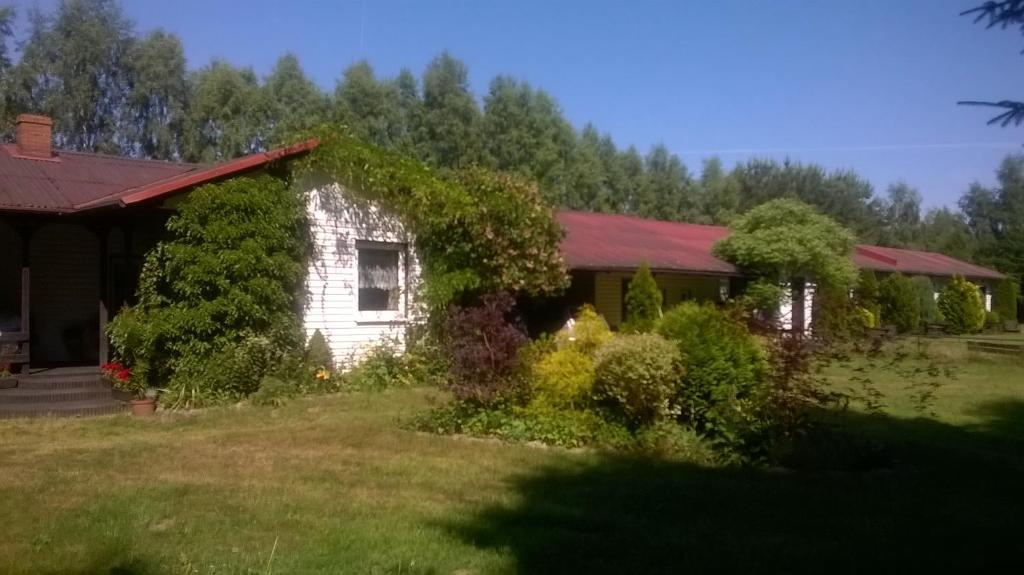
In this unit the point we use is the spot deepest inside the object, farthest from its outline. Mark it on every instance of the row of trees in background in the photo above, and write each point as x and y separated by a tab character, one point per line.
111	90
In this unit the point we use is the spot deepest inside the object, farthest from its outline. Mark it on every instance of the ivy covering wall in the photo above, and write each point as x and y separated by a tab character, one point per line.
476	231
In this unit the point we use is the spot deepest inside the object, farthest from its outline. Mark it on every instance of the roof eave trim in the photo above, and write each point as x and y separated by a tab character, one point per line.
213	173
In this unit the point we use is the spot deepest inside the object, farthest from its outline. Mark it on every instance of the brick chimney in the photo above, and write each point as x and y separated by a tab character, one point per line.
34	136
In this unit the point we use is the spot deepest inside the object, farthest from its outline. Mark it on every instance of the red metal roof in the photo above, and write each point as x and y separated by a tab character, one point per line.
614	242
73	182
914	262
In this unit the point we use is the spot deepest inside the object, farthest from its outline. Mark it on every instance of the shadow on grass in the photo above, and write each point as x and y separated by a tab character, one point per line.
950	501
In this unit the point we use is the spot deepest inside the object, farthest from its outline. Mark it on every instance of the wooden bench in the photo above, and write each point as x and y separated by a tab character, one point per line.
13	348
995	347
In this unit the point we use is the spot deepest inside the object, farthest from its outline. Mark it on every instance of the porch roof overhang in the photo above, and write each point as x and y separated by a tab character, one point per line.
74	183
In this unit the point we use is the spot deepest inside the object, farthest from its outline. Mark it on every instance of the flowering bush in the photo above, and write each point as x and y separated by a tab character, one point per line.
120	377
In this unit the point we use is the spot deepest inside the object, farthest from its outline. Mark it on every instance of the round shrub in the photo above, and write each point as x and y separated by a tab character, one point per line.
724	365
563	379
637	374
589	332
900	304
961	306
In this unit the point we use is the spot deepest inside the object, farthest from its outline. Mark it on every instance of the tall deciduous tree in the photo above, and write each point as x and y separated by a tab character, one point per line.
157	96
367	107
73	68
524	131
296	103
841	195
7	16
996	218
901	216
667	195
229	114
718	197
449	133
946	231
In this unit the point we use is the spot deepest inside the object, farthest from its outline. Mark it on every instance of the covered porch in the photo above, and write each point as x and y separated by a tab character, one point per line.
62	280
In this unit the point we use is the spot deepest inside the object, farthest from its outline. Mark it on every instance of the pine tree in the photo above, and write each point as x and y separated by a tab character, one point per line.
643	301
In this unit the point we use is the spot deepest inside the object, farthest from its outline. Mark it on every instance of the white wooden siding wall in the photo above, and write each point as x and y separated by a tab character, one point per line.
332	277
785	320
675	288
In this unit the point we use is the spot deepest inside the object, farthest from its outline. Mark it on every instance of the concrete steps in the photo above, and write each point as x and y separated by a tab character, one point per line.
67	392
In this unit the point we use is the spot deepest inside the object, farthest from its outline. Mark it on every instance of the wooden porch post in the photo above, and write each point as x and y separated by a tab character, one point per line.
25	233
104	344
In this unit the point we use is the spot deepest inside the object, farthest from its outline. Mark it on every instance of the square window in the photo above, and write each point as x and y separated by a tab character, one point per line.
379	274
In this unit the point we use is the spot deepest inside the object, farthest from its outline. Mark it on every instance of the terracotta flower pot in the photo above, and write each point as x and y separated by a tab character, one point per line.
143	407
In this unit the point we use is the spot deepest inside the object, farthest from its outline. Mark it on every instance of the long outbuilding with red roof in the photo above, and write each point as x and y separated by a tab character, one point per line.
603	250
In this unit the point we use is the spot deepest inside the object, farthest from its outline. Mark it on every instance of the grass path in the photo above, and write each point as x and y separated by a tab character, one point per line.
334	485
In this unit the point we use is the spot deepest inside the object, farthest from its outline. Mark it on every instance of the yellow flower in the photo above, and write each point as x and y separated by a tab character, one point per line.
322	374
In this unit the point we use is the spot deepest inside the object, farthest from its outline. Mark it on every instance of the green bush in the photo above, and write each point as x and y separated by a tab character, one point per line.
563	379
898	297
227	375
643	301
1005	300
637	375
961	306
670	440
929	309
865	294
273	392
867	318
228	278
993	320
723	364
834	315
589	332
382	367
565	428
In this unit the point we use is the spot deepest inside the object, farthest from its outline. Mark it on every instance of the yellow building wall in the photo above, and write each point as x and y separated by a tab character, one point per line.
675	288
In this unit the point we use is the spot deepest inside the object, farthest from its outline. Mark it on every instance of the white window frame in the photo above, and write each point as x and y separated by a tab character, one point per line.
382	316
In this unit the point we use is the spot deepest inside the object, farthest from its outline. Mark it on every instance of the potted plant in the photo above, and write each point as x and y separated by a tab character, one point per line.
120	377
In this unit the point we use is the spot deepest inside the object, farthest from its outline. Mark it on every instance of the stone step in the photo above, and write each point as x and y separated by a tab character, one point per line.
61	382
30	395
62	409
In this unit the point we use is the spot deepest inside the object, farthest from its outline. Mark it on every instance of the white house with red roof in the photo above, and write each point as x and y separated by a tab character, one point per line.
74	228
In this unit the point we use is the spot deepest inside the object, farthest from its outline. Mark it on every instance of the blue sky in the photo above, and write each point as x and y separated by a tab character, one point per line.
869	85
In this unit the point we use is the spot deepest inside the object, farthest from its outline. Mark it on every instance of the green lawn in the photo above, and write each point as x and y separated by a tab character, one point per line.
335	485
